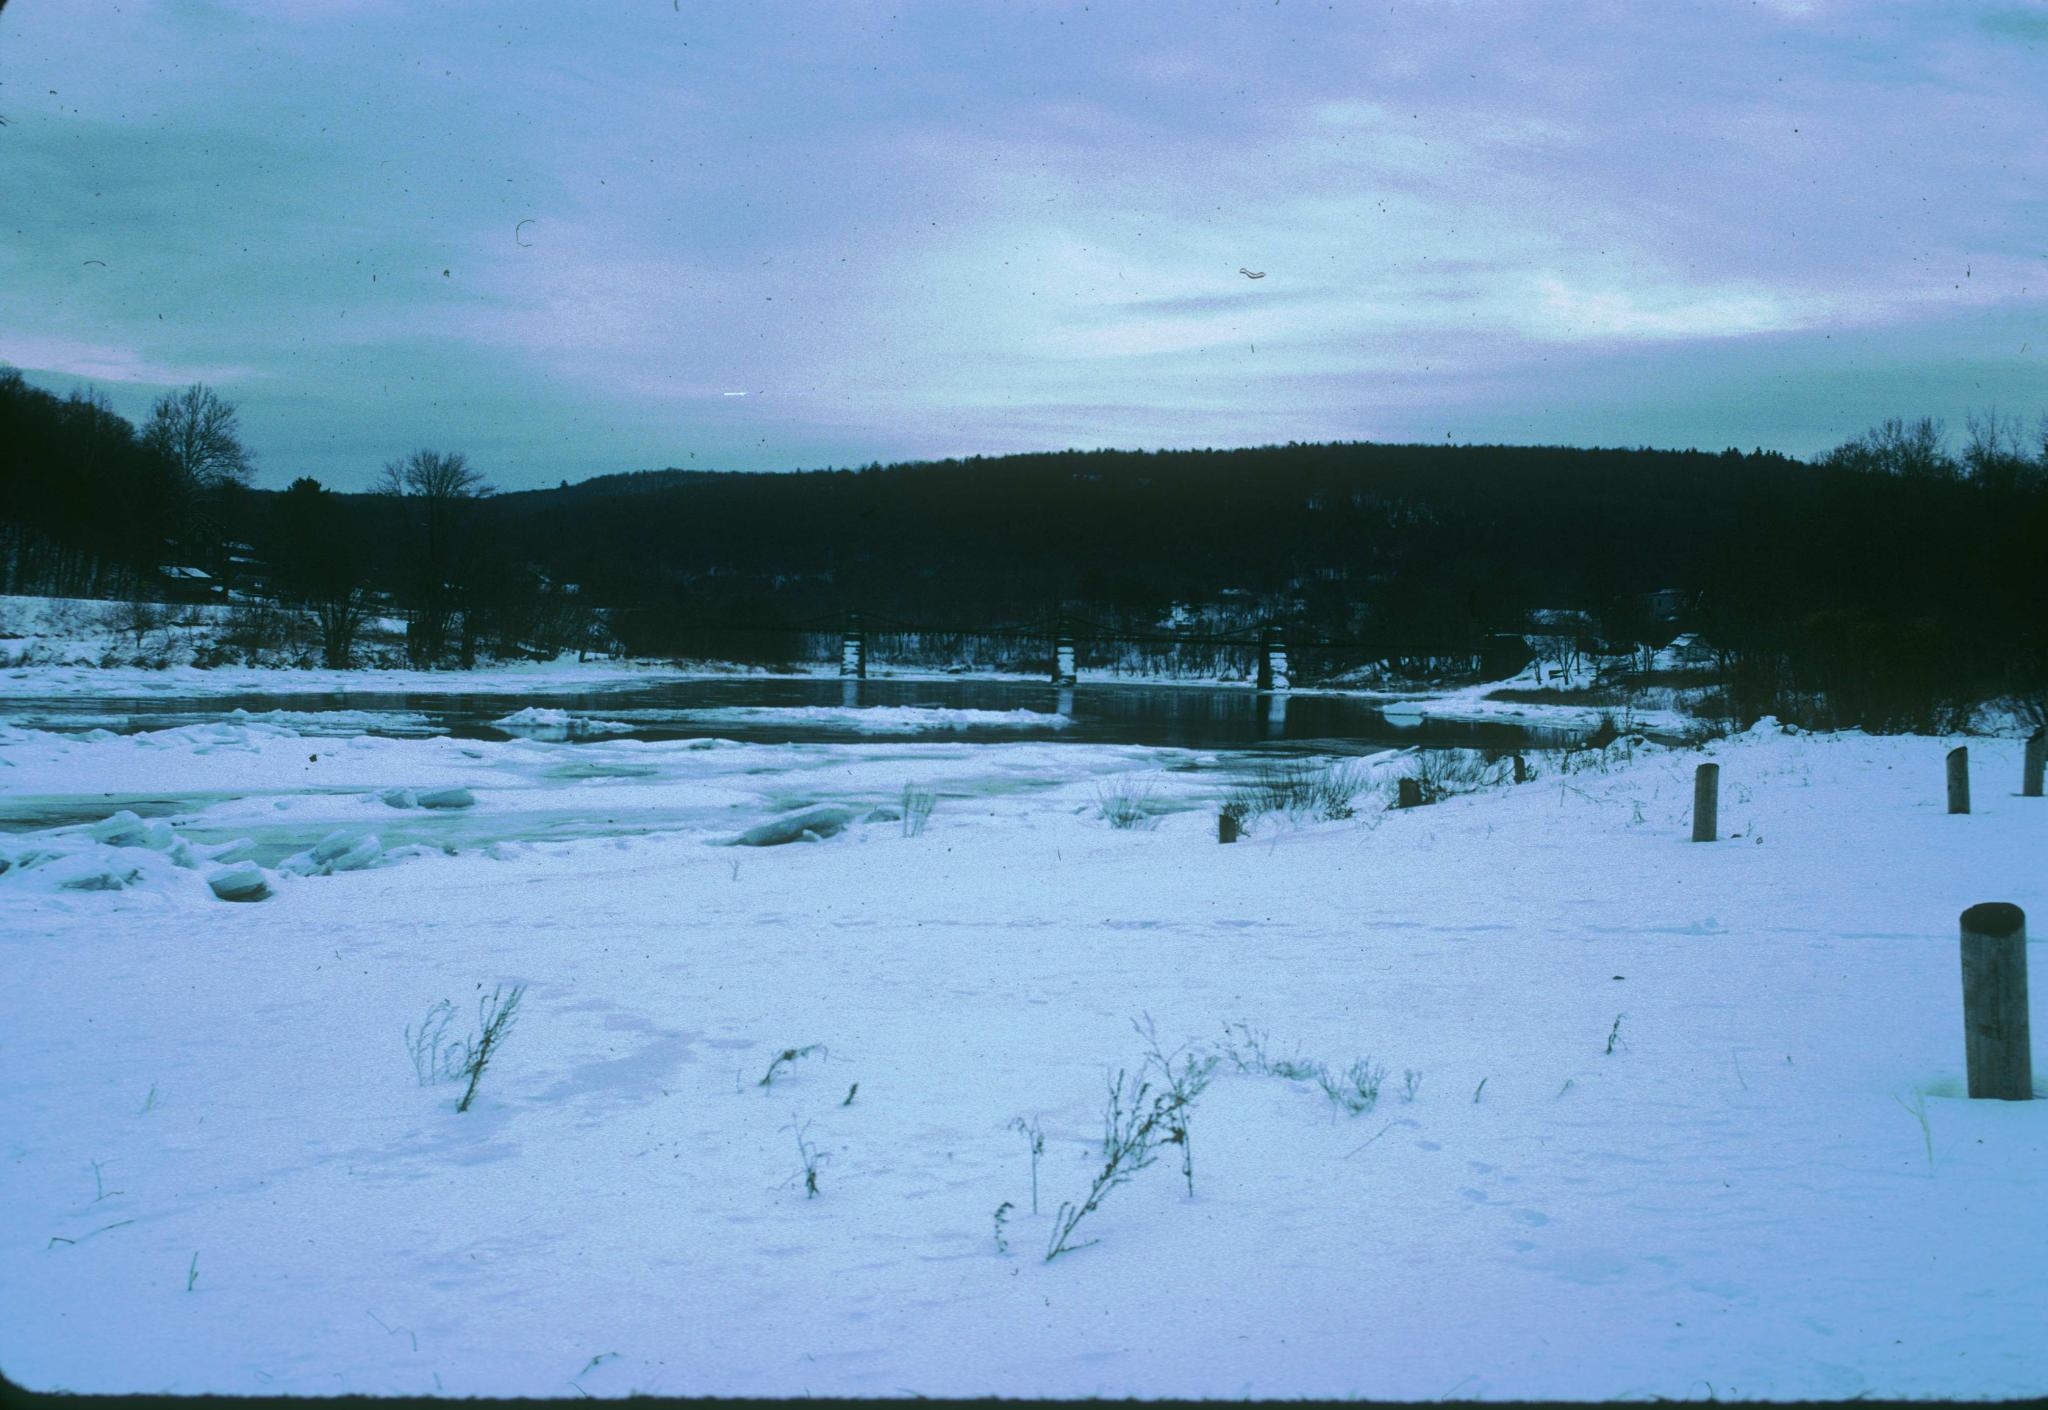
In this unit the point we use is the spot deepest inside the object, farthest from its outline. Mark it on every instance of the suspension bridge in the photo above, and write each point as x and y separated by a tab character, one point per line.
1271	645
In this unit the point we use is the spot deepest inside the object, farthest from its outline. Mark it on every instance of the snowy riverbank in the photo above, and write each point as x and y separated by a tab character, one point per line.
70	682
223	1175
67	649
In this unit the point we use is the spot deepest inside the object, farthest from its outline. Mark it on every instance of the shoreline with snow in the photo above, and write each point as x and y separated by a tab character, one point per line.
1638	1120
64	649
564	677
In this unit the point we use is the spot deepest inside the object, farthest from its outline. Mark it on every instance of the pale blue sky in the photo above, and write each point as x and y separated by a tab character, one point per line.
925	229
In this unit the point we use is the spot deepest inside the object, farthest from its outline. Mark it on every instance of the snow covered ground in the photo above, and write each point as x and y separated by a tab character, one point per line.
192	682
1471	703
57	647
1664	1135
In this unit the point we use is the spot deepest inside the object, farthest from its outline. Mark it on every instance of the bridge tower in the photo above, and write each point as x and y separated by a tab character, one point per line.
1063	653
1273	660
853	649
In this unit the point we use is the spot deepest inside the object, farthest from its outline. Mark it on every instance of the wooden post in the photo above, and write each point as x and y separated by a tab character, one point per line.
1226	826
1706	802
853	649
1062	654
2037	757
1408	794
1521	769
1959	779
1995	1037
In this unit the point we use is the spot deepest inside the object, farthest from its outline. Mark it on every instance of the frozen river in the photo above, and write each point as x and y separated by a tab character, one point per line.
706	758
786	711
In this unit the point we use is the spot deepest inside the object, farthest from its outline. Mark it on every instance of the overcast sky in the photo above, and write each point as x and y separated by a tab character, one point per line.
571	240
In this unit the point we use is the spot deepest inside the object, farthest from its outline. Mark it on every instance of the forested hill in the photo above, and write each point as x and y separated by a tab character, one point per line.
1888	579
1890	556
1427	534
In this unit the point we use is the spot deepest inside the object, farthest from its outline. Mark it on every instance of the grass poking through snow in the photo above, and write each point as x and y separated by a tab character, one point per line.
1125	804
810	1156
495	1016
788	1056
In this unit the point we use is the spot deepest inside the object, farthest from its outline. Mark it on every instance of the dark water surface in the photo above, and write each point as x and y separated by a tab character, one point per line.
1189	717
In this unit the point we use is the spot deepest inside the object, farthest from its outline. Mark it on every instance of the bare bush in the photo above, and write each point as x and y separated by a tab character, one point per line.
1136	1121
1247	1049
494	1018
434	1057
917	809
137	619
1445	773
1125	803
1358	1090
810	1156
1181	1084
1035	1138
1130	1125
257	628
341	616
1299	788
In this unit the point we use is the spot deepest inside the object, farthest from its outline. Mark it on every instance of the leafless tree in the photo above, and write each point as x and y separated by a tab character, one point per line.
201	437
1910	450
319	564
434	477
1996	455
341	615
441	489
198	435
138	618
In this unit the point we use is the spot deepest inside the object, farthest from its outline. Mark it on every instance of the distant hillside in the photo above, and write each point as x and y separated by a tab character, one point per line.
1897	596
1888	568
1341	532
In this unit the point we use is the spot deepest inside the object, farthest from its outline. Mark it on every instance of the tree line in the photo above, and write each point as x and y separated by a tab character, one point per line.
1885	583
88	503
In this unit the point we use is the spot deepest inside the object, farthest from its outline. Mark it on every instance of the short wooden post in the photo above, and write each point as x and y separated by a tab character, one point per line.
2037	757
853	648
1408	794
1226	826
1959	779
1706	802
1063	655
1521	769
1996	1041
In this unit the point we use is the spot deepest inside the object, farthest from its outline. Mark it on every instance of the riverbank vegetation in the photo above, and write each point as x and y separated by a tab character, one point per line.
1886	585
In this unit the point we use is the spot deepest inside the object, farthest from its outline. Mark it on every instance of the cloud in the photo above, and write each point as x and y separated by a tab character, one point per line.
957	227
1648	312
97	362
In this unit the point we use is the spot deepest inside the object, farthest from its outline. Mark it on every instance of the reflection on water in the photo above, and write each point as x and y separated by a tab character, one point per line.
1193	717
